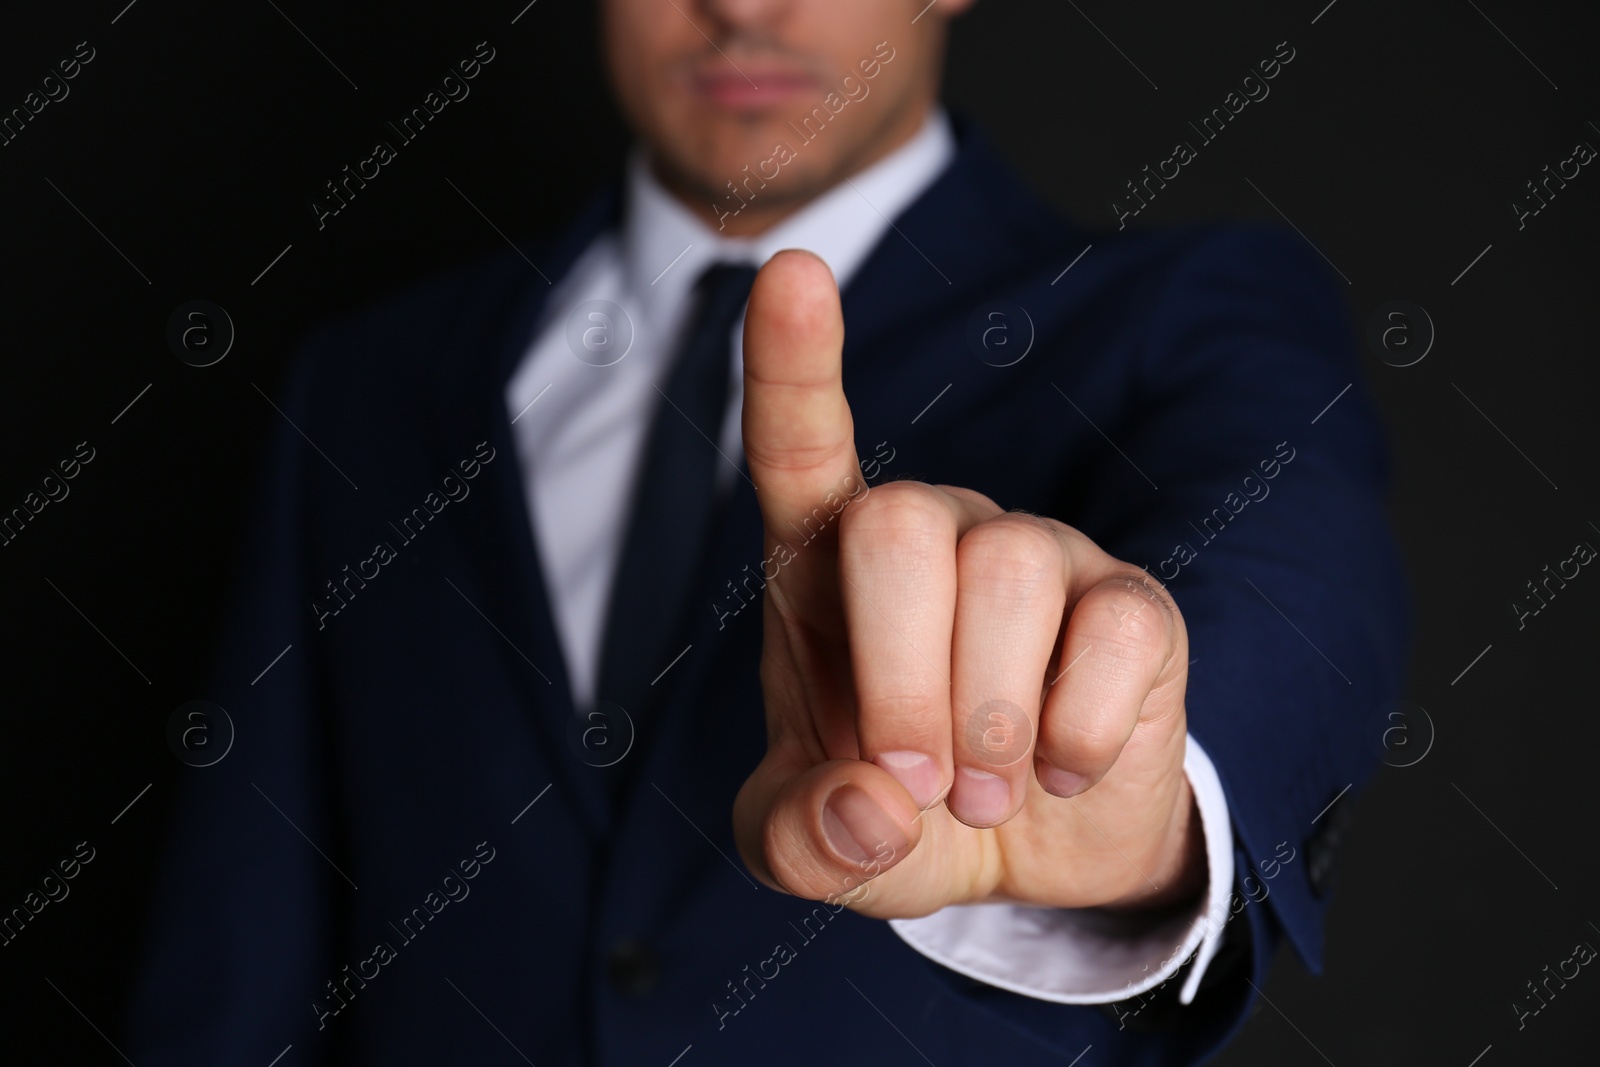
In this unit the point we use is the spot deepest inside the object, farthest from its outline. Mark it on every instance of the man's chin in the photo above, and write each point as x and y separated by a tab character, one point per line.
734	146
748	166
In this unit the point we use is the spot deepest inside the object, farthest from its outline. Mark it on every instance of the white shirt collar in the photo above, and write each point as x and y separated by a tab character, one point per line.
665	247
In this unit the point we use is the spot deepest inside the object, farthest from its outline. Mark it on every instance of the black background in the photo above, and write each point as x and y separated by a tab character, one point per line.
1395	142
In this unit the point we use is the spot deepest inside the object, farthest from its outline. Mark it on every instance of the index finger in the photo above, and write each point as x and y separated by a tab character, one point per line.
799	439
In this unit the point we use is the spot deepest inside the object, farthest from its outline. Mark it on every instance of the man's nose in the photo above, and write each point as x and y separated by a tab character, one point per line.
737	14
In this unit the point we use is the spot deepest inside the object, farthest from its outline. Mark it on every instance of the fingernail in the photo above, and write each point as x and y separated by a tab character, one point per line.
918	773
980	798
1058	782
856	828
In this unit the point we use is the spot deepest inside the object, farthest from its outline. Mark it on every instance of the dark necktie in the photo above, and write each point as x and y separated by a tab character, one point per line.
672	506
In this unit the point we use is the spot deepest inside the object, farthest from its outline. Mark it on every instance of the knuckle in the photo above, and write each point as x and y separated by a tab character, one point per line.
1141	583
1014	554
897	712
1141	619
897	511
1079	744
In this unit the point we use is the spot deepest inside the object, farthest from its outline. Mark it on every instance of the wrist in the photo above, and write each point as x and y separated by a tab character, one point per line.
1174	875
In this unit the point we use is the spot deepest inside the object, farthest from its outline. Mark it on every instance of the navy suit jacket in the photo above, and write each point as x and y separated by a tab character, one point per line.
362	877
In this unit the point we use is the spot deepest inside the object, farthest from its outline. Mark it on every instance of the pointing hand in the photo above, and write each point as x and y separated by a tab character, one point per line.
963	704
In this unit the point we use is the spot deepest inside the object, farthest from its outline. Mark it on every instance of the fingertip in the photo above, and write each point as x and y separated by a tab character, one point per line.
859	830
918	773
802	260
1059	783
835	828
794	308
980	798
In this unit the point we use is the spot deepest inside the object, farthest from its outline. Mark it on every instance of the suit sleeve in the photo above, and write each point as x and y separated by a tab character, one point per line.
1269	530
236	945
1266	522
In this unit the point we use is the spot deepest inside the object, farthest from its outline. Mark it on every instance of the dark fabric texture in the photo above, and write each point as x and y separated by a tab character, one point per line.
419	725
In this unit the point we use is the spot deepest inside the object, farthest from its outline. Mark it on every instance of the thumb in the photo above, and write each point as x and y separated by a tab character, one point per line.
799	440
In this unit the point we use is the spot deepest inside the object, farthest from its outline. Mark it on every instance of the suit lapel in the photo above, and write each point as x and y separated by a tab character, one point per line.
502	552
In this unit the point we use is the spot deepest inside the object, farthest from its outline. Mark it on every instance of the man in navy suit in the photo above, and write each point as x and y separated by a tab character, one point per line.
1061	666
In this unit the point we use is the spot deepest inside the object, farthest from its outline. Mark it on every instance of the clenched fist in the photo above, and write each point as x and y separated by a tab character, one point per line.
963	704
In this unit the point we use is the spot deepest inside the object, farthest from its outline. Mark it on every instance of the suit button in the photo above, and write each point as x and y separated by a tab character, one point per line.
1319	867
633	967
1320	847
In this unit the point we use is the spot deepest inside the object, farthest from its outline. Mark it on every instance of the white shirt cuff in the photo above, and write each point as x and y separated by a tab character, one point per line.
1089	955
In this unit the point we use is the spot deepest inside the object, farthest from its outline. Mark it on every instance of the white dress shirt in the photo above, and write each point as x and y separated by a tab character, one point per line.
580	431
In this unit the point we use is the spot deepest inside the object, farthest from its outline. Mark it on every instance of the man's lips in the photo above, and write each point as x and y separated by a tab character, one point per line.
756	89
